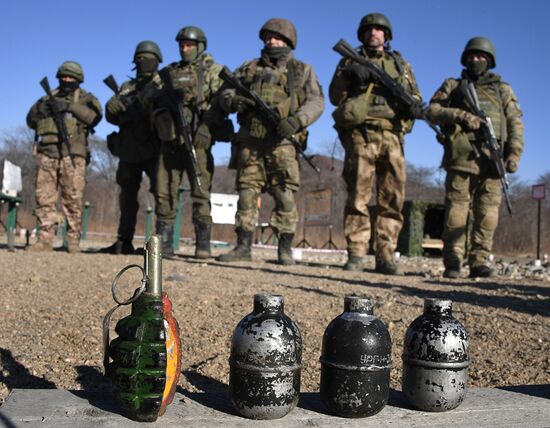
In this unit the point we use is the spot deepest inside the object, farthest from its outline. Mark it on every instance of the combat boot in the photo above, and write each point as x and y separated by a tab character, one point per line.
242	251
166	232
354	264
202	240
482	272
284	251
452	273
73	246
119	247
387	267
40	246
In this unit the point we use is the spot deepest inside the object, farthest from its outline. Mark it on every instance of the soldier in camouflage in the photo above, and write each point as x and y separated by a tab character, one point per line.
195	79
371	129
135	144
80	111
265	158
471	180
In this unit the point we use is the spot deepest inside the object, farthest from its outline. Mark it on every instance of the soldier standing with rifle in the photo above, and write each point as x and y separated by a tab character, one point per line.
481	118
371	122
187	121
135	144
62	121
266	156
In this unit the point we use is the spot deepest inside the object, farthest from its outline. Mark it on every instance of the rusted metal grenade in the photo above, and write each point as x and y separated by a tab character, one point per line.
146	355
435	359
356	361
266	361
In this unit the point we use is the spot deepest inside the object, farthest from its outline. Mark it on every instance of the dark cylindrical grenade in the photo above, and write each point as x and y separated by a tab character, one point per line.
435	359
265	362
356	361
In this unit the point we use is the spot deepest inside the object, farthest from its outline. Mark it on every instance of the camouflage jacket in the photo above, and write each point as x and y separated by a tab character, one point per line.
304	100
136	141
498	101
83	113
370	103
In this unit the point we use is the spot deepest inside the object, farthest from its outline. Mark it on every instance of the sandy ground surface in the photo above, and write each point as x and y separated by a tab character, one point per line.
52	306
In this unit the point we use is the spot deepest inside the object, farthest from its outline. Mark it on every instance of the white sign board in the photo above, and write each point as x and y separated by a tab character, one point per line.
11	181
538	192
224	208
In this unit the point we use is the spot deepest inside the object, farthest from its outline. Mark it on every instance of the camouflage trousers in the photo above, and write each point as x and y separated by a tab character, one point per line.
484	194
172	163
381	157
58	175
272	169
128	177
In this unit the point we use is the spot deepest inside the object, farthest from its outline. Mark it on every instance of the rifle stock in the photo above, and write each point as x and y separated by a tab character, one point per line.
399	94
110	81
59	123
271	115
489	139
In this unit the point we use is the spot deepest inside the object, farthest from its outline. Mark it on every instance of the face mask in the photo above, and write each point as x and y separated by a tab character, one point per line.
190	55
68	86
476	68
145	66
276	52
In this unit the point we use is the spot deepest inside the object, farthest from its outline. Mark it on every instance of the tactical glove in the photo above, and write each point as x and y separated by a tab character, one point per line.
470	121
60	104
358	72
416	111
288	127
115	107
240	103
511	164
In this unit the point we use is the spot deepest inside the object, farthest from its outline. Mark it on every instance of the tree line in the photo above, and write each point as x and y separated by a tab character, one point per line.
515	235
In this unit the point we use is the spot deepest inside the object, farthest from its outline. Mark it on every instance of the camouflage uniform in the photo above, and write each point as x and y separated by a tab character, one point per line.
265	161
371	129
197	82
134	144
471	179
55	170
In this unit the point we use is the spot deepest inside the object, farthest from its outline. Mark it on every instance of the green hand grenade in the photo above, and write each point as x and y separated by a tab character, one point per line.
146	355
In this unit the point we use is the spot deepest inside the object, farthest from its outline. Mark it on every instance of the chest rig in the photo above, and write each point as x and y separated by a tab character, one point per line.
281	88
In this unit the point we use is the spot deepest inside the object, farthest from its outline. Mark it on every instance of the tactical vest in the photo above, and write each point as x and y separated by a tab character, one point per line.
48	137
490	101
281	88
189	80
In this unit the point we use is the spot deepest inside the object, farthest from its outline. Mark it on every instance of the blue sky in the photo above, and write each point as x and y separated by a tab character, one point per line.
38	35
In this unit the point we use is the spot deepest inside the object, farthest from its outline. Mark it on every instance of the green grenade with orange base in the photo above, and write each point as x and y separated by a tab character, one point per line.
144	361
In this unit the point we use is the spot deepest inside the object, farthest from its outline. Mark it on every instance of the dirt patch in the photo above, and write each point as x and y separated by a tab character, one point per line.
52	306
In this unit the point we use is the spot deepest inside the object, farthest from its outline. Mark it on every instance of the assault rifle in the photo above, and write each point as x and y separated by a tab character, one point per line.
272	116
489	138
58	118
182	125
399	94
110	81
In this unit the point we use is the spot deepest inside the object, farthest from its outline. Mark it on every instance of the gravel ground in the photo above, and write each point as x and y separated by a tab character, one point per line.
52	306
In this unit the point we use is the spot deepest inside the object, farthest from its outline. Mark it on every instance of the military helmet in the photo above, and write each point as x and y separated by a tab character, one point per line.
148	46
71	69
194	34
282	27
480	44
374	19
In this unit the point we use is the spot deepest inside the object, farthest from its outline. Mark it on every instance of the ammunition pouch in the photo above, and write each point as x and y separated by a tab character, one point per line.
352	112
163	123
458	148
47	130
113	143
